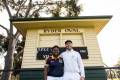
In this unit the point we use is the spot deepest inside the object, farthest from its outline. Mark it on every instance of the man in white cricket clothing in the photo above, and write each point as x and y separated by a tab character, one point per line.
73	65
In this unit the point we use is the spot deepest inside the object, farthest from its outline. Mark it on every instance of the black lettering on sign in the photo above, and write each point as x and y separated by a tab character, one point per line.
43	53
52	30
46	31
72	30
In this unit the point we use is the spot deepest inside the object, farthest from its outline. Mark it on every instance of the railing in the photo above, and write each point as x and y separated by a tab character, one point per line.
93	73
113	73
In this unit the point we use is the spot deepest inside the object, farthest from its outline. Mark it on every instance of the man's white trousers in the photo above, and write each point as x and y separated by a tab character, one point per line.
71	76
54	78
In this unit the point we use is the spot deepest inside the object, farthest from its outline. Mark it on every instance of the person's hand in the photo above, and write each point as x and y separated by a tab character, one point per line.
82	78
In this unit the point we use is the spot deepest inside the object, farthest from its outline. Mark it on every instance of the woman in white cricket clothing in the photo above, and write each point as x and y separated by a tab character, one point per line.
73	65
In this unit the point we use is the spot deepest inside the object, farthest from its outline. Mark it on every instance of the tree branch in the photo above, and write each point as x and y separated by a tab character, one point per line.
8	10
29	8
17	34
40	7
5	29
23	2
19	53
35	11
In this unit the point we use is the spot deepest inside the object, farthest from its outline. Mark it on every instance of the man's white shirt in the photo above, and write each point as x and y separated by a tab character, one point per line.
73	62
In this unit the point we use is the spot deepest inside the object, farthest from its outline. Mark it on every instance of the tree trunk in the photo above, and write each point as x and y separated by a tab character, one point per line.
8	60
6	75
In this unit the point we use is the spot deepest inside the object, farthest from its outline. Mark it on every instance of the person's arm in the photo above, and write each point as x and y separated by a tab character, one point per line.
46	68
45	71
61	55
81	67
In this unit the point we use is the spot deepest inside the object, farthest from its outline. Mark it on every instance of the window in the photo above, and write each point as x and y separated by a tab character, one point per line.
77	39
48	40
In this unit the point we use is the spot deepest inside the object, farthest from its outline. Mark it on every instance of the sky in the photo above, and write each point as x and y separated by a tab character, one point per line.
108	38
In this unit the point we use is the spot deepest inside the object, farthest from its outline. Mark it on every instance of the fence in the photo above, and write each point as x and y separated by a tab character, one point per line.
92	73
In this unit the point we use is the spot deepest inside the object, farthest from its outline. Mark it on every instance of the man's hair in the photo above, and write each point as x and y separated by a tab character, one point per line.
56	46
68	41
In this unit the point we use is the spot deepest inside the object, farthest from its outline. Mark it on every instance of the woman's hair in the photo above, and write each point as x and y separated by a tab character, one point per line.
55	47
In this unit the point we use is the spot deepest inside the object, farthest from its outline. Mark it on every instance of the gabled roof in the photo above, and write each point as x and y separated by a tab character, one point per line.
22	24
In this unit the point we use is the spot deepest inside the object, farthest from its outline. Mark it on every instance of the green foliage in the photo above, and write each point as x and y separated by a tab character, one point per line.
72	8
35	9
18	56
4	42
